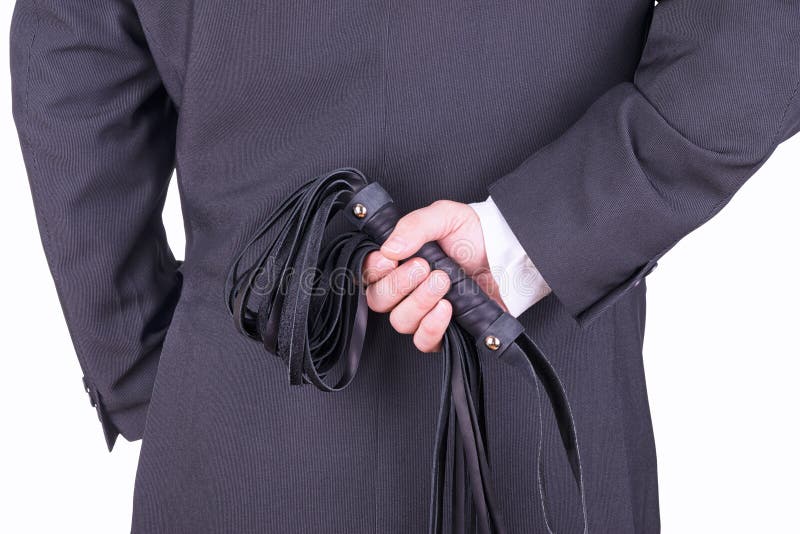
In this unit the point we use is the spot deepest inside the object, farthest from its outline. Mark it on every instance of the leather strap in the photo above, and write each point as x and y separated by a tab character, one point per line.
304	302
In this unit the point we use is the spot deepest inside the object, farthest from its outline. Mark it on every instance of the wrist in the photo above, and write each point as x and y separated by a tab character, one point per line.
519	283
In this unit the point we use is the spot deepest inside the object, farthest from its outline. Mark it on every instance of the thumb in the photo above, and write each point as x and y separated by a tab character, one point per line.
430	223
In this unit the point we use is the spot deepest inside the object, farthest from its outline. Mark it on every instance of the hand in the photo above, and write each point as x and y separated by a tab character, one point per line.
411	292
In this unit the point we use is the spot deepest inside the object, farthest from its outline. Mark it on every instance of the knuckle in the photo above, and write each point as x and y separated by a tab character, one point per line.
413	225
400	322
429	331
432	327
404	225
420	303
369	275
375	302
440	282
425	295
418	268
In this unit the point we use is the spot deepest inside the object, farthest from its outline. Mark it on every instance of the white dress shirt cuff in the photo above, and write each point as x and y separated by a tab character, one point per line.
519	282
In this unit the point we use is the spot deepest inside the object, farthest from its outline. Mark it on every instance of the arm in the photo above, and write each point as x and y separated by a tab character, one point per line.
97	132
716	91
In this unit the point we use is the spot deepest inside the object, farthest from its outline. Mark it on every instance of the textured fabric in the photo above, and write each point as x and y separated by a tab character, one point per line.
715	92
604	131
519	282
98	134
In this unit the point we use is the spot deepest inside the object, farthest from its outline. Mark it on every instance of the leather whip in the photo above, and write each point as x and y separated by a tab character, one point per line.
299	292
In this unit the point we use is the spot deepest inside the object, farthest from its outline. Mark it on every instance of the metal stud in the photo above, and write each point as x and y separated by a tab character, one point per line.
360	211
492	342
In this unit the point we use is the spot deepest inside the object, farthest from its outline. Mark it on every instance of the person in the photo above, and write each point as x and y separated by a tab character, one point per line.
588	138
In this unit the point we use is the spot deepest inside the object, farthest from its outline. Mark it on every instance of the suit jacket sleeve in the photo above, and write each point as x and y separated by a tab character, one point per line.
715	92
97	131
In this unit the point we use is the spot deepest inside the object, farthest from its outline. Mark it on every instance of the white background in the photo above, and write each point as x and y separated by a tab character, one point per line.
721	354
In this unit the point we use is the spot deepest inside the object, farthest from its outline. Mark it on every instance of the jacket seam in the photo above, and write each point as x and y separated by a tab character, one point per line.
615	374
156	46
774	142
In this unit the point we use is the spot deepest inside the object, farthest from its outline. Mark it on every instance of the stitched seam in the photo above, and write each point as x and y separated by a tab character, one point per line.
724	200
384	162
772	145
674	128
160	50
615	343
26	113
540	474
385	126
774	142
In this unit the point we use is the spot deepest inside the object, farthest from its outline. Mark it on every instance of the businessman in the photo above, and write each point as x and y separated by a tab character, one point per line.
555	149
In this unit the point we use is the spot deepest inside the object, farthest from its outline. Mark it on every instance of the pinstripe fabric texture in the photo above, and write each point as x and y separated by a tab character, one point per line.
605	132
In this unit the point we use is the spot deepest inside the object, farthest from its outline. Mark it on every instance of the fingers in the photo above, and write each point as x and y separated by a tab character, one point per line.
414	297
386	293
428	337
376	266
411	292
430	223
408	314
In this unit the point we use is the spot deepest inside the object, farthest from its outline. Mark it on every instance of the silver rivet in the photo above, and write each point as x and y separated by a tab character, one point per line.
360	211
492	342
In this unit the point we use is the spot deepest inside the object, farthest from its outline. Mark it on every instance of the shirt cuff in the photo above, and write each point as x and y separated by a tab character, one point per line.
518	280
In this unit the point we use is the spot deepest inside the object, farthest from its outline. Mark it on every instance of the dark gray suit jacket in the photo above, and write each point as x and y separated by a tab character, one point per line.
605	132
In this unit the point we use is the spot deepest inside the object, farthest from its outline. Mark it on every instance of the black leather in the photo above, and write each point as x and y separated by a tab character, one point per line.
289	293
318	334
